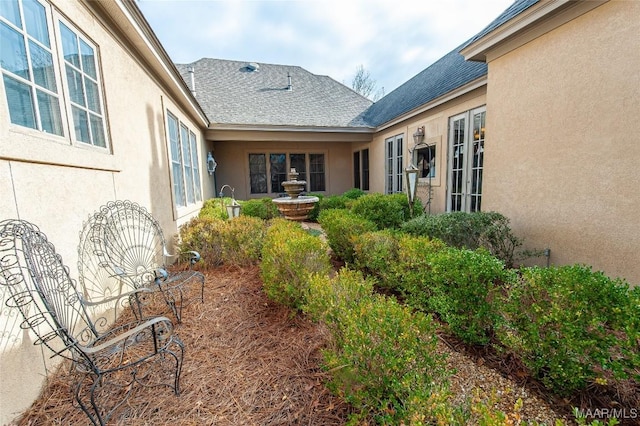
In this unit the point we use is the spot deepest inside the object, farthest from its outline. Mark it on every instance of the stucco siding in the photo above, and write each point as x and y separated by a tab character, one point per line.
56	182
561	155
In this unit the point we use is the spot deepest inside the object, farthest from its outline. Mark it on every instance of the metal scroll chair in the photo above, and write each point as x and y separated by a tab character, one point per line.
129	242
108	364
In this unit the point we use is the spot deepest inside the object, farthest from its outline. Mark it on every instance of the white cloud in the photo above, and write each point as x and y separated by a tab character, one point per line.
392	39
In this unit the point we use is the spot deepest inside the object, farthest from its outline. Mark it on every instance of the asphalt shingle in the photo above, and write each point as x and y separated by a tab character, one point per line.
232	93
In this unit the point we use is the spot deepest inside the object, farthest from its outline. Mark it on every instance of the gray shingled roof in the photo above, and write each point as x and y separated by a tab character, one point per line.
448	73
230	93
512	11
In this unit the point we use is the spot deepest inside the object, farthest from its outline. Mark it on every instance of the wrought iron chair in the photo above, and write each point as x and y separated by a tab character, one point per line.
107	363
129	242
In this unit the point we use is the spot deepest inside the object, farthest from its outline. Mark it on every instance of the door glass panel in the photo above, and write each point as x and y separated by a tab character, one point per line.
258	173
69	45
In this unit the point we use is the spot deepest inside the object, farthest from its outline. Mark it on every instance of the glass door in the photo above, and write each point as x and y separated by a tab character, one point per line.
466	161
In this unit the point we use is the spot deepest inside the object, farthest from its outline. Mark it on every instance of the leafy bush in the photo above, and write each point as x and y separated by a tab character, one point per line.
214	208
354	193
385	356
459	285
204	235
376	253
333	202
469	230
263	208
572	327
340	226
289	256
386	211
242	240
330	298
313	214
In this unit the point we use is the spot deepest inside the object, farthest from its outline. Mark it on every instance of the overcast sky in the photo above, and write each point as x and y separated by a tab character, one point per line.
393	39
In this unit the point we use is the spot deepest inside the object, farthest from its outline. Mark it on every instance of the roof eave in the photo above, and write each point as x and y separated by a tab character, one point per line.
528	25
449	96
238	132
131	22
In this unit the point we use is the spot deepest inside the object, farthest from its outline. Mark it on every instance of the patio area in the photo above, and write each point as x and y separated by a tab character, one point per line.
249	361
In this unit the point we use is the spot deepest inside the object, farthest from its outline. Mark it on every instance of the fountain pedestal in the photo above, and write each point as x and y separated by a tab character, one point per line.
295	207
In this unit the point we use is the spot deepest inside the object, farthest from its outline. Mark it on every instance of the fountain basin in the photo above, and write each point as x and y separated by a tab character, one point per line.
297	209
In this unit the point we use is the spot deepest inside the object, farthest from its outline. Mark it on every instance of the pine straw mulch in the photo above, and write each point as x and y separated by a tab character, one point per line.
247	361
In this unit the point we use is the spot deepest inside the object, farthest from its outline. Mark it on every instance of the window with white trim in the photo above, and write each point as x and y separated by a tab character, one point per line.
32	65
267	171
394	164
185	170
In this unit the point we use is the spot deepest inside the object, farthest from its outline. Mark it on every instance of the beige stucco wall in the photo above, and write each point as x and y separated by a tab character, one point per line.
562	151
56	185
436	124
233	163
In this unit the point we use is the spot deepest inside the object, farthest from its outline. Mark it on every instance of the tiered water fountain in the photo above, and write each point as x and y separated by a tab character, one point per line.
295	207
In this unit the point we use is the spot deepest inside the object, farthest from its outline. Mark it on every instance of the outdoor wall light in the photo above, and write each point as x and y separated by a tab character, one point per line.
418	136
211	163
412	185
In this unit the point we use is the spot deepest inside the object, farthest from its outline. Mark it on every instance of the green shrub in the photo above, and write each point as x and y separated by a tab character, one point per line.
572	327
242	240
385	356
331	298
376	254
204	235
263	208
459	285
340	226
469	230
354	193
333	202
386	211
214	208
289	256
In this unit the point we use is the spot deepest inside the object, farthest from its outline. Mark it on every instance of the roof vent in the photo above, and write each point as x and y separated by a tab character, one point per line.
253	66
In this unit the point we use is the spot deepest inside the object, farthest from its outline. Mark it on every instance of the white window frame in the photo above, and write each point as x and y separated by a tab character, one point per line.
464	177
63	102
185	163
394	164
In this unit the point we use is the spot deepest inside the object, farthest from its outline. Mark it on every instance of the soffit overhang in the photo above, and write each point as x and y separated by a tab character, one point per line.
261	133
528	25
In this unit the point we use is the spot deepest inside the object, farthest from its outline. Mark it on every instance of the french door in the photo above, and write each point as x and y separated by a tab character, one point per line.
466	161
394	164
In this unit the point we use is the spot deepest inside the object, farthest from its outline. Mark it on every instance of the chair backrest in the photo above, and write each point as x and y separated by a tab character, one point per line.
42	290
128	241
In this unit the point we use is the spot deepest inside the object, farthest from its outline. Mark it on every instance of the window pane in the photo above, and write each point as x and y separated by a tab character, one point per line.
176	163
97	131
195	165
20	103
316	172
88	60
74	81
49	113
365	169
299	162
173	138
178	188
356	169
186	162
69	45
9	9
35	19
278	172
13	55
42	65
258	173
93	95
81	125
